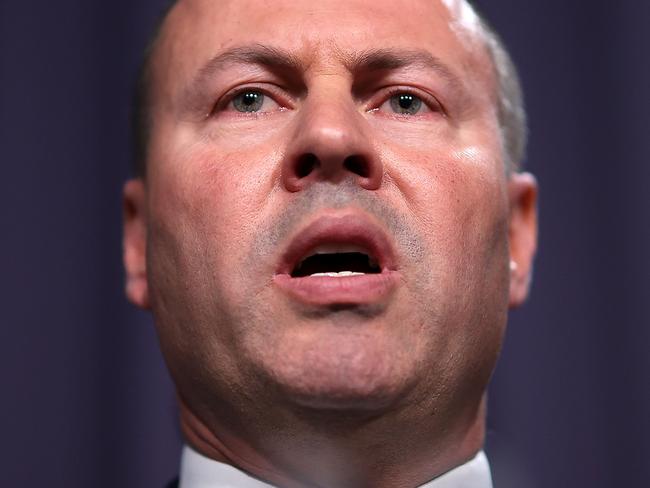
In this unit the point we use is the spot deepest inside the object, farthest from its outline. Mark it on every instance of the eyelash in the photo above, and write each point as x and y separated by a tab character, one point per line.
430	101
274	94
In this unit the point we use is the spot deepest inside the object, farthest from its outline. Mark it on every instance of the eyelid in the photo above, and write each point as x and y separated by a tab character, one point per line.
432	102
274	92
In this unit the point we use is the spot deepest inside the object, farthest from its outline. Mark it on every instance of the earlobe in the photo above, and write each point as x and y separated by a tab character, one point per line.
135	242
522	191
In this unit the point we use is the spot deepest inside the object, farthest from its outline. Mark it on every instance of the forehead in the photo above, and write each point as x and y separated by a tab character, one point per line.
320	33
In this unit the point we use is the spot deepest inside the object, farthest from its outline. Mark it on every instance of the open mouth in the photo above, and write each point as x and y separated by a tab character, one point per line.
338	260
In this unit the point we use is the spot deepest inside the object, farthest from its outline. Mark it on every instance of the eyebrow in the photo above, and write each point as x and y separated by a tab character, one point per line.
392	59
256	54
280	60
259	54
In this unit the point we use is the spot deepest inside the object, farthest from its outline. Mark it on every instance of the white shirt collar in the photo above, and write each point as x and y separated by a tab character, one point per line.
198	471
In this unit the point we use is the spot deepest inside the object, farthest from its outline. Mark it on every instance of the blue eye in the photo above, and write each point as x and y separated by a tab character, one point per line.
248	101
405	104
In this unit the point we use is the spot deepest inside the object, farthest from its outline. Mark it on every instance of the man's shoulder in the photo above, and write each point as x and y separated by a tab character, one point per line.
172	484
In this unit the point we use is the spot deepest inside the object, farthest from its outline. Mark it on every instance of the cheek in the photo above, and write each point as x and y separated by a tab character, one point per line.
458	199
454	195
205	208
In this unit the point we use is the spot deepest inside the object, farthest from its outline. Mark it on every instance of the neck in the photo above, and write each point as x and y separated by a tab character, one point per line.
322	449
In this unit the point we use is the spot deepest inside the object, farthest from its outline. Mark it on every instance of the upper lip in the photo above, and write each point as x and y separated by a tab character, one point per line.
351	229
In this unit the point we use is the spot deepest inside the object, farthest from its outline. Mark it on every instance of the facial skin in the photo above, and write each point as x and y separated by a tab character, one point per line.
388	392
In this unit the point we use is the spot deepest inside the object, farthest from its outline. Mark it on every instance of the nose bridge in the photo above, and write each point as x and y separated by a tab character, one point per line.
331	140
330	122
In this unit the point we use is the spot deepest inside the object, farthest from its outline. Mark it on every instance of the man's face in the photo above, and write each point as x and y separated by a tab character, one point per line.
363	131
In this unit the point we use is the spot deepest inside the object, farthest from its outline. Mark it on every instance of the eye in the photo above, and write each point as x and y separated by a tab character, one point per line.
251	101
248	101
405	103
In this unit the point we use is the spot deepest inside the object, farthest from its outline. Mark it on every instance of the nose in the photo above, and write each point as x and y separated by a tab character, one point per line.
331	143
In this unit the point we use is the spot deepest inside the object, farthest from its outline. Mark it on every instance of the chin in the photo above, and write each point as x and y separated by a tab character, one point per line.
341	399
340	370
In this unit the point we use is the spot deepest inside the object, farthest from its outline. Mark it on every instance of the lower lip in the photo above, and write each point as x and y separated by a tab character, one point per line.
346	290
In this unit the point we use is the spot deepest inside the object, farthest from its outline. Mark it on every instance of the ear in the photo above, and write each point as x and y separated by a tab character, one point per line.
522	191
135	242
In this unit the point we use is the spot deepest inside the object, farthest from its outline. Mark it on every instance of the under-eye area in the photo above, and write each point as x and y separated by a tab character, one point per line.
336	264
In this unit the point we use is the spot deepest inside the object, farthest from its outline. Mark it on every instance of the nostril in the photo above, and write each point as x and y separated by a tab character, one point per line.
306	164
357	165
309	167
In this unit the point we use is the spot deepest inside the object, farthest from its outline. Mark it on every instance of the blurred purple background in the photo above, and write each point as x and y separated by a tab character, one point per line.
86	400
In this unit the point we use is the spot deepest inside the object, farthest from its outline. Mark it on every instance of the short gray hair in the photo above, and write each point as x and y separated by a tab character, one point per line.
511	111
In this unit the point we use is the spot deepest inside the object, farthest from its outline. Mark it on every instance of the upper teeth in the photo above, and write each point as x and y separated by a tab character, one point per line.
335	249
339	274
